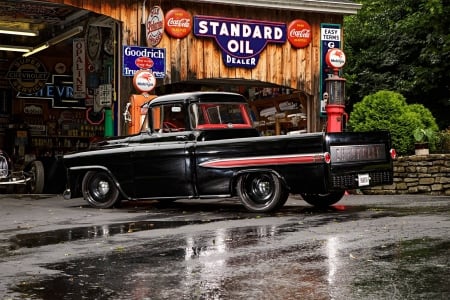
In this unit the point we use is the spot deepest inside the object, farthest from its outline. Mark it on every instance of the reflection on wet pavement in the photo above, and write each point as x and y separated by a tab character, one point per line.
37	239
245	264
285	261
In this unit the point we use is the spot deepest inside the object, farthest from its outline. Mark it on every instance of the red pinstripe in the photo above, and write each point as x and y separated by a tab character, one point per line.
263	161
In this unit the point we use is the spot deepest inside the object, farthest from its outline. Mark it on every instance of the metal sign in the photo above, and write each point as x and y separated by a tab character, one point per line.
330	38
155	26
241	40
132	53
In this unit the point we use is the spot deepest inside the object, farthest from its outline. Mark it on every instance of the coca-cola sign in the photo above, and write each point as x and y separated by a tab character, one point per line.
178	23
299	33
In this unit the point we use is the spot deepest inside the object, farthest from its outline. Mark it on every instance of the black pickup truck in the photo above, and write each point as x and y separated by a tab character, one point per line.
204	145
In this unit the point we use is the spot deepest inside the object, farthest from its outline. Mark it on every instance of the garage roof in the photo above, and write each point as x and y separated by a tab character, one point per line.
343	7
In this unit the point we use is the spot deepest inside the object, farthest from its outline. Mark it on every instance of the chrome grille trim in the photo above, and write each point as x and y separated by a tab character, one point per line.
352	153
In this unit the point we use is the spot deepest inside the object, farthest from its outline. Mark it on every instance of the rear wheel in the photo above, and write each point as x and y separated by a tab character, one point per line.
99	190
36	184
261	192
323	200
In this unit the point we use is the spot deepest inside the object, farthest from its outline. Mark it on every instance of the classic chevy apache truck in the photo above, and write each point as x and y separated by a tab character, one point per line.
204	145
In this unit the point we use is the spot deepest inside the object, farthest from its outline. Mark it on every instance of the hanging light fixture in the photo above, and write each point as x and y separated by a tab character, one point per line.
24	32
56	40
14	48
36	50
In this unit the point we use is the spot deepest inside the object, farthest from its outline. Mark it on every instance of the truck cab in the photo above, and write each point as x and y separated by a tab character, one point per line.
205	114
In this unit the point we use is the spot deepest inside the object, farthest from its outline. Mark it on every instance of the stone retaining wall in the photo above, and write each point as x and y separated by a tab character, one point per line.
418	174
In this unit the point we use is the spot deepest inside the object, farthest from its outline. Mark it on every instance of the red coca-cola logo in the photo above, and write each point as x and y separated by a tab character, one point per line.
178	23
144	62
299	33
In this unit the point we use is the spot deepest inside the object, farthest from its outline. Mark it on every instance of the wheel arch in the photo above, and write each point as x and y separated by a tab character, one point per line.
77	174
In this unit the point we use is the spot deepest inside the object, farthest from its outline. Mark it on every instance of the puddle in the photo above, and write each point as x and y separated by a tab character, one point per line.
37	239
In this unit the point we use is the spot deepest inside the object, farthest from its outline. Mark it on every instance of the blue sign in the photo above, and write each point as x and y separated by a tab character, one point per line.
241	40
131	53
330	37
60	91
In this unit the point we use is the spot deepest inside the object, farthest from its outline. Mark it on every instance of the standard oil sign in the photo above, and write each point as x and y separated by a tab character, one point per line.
241	40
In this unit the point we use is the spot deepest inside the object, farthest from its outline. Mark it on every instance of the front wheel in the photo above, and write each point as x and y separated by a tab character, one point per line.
99	190
323	200
261	192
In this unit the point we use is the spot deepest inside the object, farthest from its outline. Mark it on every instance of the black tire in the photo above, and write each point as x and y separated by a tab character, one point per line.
323	200
99	190
36	184
261	192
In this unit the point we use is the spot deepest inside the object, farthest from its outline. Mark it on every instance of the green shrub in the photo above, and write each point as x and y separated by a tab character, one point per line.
387	110
443	143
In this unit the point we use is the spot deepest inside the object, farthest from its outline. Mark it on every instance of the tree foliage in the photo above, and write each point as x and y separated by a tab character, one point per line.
402	46
386	110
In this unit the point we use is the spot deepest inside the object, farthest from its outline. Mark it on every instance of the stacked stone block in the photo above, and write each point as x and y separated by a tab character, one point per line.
418	174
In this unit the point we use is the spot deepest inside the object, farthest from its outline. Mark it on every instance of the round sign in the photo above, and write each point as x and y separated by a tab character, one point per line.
335	58
155	26
144	81
144	62
178	23
27	75
299	33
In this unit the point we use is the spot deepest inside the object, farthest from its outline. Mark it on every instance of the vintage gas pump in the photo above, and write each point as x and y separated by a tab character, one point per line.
134	115
335	88
144	82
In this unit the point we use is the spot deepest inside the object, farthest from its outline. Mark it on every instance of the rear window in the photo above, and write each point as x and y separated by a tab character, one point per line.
219	115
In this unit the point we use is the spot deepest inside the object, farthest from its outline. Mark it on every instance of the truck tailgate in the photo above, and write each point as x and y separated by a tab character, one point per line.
360	159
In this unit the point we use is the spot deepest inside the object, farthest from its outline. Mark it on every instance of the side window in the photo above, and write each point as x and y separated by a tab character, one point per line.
169	118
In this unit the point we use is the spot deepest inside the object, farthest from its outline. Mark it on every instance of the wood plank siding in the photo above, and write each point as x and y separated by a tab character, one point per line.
193	58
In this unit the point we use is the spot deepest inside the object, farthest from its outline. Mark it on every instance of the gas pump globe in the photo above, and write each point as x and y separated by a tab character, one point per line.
335	88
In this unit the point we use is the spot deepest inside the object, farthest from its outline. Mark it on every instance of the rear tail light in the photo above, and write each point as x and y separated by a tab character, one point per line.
327	157
393	153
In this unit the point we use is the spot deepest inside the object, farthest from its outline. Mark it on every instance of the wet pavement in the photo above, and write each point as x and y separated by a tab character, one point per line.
366	247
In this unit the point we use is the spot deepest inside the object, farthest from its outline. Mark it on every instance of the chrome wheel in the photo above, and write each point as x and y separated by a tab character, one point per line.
261	192
99	189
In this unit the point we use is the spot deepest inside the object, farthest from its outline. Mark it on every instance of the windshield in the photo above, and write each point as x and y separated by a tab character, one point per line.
219	115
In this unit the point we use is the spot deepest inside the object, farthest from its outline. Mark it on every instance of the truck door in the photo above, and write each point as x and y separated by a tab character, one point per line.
162	169
162	160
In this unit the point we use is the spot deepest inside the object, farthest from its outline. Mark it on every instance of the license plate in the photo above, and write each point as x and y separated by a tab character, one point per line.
363	179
